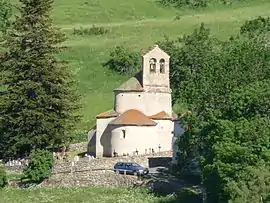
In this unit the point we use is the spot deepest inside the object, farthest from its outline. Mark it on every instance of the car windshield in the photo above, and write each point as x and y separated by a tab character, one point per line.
134	164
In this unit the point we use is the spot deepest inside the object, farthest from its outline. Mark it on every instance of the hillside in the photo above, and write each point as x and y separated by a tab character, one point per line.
134	24
95	195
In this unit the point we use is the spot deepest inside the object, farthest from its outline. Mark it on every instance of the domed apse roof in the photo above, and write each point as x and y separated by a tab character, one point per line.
133	84
161	116
133	117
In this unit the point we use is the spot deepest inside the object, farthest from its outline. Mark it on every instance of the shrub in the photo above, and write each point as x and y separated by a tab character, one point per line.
182	3
79	136
124	61
189	195
5	15
193	3
3	177
255	27
90	31
40	166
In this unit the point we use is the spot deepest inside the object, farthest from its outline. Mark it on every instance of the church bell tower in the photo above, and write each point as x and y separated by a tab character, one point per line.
156	75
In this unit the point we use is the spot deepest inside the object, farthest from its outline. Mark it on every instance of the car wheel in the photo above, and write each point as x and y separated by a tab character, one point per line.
117	172
135	173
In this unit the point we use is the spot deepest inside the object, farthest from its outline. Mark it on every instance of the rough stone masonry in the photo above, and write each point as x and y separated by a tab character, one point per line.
98	172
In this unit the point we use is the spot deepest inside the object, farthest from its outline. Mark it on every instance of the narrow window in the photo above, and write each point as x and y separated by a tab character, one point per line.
153	62
162	66
123	134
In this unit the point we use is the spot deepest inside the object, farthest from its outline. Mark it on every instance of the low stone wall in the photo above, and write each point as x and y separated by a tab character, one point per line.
96	172
102	178
81	147
107	163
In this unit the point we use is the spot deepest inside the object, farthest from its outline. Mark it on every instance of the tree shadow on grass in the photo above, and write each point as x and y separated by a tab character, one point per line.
170	188
183	197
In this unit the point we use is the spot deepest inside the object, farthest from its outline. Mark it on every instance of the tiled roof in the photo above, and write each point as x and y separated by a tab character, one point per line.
107	114
148	49
133	84
151	48
133	117
161	116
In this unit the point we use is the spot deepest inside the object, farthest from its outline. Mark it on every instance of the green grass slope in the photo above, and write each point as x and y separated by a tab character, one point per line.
135	24
87	195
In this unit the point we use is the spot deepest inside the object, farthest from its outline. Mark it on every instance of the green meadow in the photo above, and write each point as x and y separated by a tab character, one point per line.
89	195
136	24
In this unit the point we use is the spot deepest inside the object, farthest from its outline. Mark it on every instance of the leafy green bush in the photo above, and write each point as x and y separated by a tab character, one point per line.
189	195
91	31
124	61
3	177
255	27
79	136
5	15
189	55
193	3
182	3
40	166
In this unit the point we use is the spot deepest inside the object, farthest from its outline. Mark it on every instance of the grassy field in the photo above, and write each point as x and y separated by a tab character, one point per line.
79	195
135	24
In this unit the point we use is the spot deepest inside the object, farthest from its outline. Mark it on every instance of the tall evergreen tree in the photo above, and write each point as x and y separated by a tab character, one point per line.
39	103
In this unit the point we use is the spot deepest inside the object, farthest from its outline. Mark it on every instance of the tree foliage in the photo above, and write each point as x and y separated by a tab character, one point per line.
228	85
256	26
39	102
5	15
123	61
39	167
194	3
182	3
190	54
3	177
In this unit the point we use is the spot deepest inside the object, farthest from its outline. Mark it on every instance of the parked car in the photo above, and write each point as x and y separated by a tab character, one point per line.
130	168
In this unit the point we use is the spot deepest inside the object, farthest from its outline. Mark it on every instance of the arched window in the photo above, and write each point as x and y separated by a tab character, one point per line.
162	65
123	134
152	63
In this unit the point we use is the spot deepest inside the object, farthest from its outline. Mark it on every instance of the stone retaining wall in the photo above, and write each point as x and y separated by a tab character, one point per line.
96	172
82	147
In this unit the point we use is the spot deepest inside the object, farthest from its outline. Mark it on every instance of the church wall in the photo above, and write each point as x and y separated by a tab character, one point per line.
142	138
126	139
103	135
146	102
156	78
165	134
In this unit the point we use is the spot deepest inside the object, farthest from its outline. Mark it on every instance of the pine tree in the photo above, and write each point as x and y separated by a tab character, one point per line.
39	102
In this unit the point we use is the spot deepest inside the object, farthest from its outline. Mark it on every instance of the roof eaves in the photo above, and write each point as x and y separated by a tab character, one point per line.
134	124
107	114
128	90
161	116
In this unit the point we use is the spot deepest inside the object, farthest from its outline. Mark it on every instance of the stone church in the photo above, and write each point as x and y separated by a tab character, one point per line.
142	120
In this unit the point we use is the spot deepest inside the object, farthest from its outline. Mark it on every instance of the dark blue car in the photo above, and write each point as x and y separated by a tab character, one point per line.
130	168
